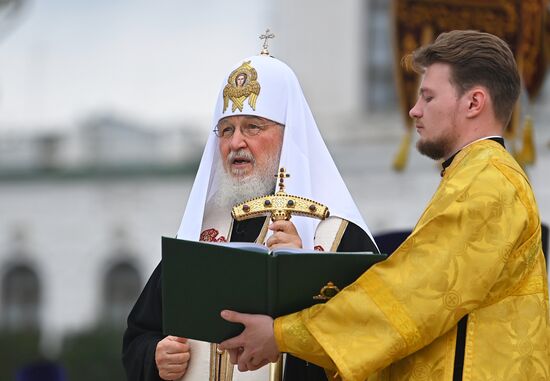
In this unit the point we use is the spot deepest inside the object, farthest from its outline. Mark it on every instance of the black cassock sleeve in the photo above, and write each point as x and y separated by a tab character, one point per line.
143	333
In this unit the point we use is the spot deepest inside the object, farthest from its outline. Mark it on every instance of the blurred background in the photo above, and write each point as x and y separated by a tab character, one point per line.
105	107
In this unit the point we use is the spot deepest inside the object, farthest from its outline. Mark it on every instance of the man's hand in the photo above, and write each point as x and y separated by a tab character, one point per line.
284	235
172	357
255	346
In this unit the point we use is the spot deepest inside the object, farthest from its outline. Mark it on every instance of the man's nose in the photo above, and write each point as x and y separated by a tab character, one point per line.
415	112
238	140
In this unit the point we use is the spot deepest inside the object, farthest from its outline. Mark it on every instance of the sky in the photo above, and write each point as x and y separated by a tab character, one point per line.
156	61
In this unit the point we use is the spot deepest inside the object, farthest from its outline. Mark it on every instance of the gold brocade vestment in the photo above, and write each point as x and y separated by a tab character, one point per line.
476	250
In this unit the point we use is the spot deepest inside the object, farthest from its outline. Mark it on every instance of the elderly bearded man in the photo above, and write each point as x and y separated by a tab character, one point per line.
465	297
260	125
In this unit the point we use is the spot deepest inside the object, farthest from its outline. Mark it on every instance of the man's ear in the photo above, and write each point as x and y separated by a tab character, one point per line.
476	101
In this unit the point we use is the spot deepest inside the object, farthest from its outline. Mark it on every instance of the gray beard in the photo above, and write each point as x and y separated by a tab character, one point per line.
234	190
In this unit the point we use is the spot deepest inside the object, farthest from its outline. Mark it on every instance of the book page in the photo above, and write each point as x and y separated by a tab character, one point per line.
251	246
293	250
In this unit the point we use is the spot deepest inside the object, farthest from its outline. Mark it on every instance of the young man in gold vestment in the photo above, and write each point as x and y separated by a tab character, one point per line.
465	297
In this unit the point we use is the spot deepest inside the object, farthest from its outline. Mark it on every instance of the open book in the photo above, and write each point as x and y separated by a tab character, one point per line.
201	279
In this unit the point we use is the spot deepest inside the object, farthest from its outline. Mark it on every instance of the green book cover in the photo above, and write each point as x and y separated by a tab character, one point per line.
201	279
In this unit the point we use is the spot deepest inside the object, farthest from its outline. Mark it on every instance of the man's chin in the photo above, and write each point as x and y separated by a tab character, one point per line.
240	174
431	149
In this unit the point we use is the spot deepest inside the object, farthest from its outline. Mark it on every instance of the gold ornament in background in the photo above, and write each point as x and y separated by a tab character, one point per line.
523	24
527	154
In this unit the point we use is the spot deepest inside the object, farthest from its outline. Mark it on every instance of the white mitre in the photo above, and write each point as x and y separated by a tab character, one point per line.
304	154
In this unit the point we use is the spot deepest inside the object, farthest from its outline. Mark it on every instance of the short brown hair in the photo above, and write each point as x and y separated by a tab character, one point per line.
475	58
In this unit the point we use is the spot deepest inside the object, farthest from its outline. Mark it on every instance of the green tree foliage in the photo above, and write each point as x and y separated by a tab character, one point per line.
94	355
18	348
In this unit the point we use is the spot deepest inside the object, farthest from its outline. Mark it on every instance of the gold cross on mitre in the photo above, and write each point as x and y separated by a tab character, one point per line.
280	206
267	35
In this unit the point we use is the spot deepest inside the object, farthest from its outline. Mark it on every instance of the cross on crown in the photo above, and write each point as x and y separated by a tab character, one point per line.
267	35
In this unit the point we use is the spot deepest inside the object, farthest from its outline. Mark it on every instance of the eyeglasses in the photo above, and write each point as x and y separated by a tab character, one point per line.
226	130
